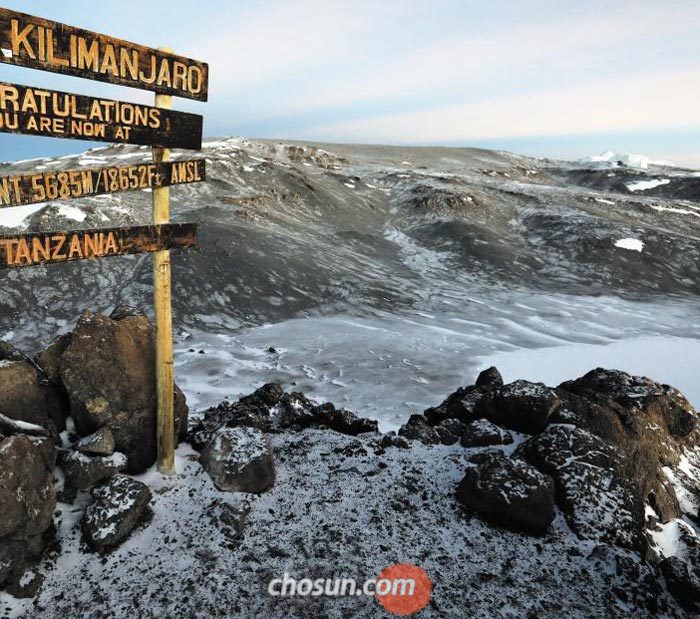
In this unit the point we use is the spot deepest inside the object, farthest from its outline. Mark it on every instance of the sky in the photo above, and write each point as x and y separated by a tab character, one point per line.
554	78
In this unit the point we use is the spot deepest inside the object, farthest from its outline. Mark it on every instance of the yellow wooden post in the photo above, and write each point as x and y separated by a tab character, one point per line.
165	387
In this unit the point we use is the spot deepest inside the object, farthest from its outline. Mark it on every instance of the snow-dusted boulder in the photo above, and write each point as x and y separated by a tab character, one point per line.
482	432
649	425
418	429
508	491
239	460
100	443
521	405
597	503
683	580
118	507
107	370
27	395
83	471
450	431
254	411
27	502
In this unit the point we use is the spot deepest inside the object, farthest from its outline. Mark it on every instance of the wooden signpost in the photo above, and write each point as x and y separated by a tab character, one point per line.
32	188
50	113
36	248
37	43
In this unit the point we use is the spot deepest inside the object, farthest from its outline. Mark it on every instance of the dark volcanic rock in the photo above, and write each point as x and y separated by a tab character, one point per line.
647	424
462	404
482	432
417	428
100	443
239	460
391	439
450	431
597	502
490	377
683	581
83	471
27	502
118	507
509	492
521	405
108	373
297	411
49	360
27	395
639	397
343	421
459	405
267	395
125	311
253	411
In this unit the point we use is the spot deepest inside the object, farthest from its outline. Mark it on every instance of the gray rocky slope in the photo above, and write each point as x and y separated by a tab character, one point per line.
292	229
508	246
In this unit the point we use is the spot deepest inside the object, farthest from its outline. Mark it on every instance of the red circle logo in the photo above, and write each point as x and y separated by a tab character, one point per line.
403	589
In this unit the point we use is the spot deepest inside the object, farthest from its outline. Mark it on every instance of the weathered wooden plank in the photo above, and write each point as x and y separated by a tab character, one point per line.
50	113
44	247
37	43
32	188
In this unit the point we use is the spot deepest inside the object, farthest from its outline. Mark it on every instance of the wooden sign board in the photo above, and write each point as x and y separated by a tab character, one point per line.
38	43
46	247
38	187
50	113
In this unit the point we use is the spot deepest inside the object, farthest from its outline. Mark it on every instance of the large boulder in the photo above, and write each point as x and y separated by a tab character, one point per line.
598	503
683	581
82	471
100	443
270	409
108	370
119	505
482	432
49	359
418	429
27	502
649	425
253	411
521	405
26	394
462	404
343	421
489	377
509	492
239	460
637	399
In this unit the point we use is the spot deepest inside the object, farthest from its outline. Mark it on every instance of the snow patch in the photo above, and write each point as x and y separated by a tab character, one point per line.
71	212
644	185
631	244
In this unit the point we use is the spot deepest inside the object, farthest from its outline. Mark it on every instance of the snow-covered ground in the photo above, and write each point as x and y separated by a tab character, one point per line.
388	367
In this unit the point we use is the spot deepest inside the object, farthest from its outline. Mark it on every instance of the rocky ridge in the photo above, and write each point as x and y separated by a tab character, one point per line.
586	482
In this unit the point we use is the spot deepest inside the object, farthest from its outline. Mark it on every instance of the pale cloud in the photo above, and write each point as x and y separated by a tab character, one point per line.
279	39
555	46
668	100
